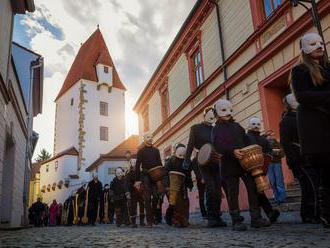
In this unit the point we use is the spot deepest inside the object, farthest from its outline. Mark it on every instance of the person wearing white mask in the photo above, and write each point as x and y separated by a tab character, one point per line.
121	196
148	157
306	175
254	129
310	82
178	214
228	138
207	177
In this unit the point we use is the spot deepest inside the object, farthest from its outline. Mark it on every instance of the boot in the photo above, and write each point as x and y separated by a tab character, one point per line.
260	222
273	215
238	225
142	220
169	215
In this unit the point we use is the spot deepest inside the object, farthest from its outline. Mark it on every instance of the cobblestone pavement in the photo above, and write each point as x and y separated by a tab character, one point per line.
286	233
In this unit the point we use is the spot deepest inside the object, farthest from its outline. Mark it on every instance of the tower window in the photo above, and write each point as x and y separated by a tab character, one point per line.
104	133
71	102
104	108
106	69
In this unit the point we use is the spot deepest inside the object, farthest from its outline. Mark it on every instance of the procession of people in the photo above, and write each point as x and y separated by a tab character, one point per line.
221	153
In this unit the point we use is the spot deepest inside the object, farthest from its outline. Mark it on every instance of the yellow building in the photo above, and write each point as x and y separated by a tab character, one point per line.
242	50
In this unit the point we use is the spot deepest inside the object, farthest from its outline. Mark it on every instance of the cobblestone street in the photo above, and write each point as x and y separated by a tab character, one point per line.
286	233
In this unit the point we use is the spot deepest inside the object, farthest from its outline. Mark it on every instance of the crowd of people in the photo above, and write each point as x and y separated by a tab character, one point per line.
40	214
305	141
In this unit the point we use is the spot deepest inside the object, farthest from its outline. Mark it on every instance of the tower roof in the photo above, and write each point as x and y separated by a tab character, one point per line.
94	51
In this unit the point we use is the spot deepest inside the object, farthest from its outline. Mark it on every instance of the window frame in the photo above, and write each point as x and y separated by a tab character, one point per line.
106	111
105	69
193	47
145	118
107	133
165	100
258	12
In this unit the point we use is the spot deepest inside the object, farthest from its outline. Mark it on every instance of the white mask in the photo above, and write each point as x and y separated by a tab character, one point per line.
106	187
180	152
209	117
133	163
119	173
255	124
147	138
223	108
292	102
311	42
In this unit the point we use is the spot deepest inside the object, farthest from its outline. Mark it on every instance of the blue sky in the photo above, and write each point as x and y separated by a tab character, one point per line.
141	29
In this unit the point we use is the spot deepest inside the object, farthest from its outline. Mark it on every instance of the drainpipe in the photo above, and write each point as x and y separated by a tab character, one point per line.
225	72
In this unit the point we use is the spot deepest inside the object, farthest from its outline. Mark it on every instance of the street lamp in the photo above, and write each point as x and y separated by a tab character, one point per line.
315	16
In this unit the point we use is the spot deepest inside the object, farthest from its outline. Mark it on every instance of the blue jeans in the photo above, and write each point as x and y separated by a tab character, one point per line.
276	180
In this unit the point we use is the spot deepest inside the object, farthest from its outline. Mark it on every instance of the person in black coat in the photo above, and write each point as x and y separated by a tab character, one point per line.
306	175
255	138
178	214
310	81
136	196
81	202
121	197
147	158
228	138
37	210
94	198
200	134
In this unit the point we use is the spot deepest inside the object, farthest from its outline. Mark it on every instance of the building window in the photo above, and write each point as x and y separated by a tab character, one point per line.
104	133
111	171
145	117
104	108
56	166
106	69
47	167
164	101
71	103
197	67
270	6
195	62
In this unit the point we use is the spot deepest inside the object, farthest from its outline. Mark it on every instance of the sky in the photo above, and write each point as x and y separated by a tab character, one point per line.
137	33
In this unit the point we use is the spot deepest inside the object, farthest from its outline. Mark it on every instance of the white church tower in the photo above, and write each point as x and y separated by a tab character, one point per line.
90	117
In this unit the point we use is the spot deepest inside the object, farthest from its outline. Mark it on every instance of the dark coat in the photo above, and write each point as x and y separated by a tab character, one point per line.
147	158
199	135
228	136
119	188
175	164
256	139
95	190
313	113
290	140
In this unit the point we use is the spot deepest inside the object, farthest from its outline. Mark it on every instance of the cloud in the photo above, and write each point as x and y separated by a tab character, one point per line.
137	33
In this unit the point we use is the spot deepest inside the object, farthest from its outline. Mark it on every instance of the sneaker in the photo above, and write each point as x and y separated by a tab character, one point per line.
258	223
239	226
273	215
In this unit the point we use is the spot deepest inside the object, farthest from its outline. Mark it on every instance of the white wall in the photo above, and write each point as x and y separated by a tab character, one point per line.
67	165
102	76
115	121
67	120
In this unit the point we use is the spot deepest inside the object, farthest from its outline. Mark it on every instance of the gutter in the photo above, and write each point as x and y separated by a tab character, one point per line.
225	70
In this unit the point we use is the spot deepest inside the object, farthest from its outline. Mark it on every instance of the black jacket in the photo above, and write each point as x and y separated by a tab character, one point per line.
199	135
94	190
119	188
313	113
290	140
147	157
256	139
228	136
175	164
